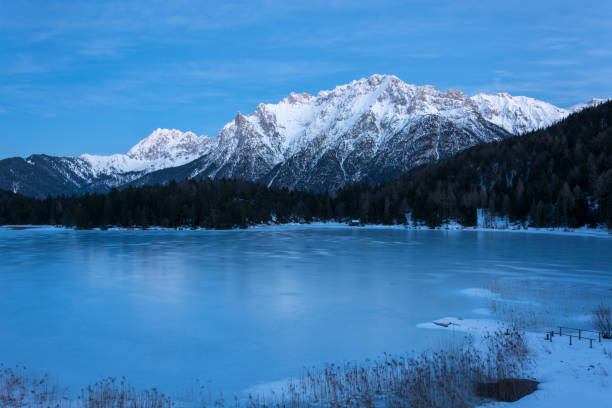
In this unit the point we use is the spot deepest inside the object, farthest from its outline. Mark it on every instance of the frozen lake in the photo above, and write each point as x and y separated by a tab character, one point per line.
241	308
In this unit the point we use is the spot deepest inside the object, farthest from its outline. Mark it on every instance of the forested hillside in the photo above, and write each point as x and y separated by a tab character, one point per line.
217	203
560	176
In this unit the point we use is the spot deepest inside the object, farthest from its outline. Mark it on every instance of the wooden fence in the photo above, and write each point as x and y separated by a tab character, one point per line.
574	333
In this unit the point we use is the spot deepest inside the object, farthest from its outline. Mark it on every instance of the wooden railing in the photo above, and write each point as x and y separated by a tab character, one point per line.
574	333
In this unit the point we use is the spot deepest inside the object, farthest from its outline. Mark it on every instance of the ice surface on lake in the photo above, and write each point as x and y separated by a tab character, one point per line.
241	308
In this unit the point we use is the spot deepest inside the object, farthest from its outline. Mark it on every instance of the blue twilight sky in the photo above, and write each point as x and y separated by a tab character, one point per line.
98	76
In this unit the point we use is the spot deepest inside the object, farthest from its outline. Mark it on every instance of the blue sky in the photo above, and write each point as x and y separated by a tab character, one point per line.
97	77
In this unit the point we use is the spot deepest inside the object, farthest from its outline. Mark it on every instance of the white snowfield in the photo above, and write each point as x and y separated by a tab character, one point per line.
569	376
276	132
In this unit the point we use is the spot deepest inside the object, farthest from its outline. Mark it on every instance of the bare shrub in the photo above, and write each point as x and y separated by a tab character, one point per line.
20	388
602	319
110	393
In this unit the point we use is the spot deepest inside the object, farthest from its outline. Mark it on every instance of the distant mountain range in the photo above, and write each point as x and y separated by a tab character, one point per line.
371	130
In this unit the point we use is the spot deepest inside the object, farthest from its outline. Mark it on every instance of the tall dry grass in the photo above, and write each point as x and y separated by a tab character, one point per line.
20	388
117	393
444	378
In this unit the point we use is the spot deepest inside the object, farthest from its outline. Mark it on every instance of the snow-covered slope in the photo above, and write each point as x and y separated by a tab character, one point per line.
518	114
588	104
370	130
170	145
161	149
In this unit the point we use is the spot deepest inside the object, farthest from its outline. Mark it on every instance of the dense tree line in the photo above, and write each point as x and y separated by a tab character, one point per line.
218	203
560	176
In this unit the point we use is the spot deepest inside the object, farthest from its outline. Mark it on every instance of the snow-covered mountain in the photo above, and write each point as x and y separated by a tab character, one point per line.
161	149
370	130
40	175
588	104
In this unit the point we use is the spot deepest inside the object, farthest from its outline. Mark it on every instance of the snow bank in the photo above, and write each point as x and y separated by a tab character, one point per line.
583	231
575	375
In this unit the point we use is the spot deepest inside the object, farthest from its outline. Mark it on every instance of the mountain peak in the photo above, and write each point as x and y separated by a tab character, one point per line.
168	144
588	104
376	79
240	119
295	98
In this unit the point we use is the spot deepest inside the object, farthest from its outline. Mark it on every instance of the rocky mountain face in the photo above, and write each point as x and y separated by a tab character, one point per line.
369	130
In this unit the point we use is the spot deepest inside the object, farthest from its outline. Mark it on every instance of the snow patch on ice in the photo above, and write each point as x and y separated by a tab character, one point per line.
480	292
463	325
482	311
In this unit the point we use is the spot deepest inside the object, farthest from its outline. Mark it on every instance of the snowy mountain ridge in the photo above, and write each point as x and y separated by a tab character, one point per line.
371	129
161	149
377	121
588	104
518	114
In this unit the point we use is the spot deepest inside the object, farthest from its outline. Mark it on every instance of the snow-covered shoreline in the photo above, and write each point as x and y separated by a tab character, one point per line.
581	232
568	375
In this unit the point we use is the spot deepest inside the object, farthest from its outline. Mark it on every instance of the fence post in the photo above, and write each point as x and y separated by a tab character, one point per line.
570	339
590	343
599	335
560	331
